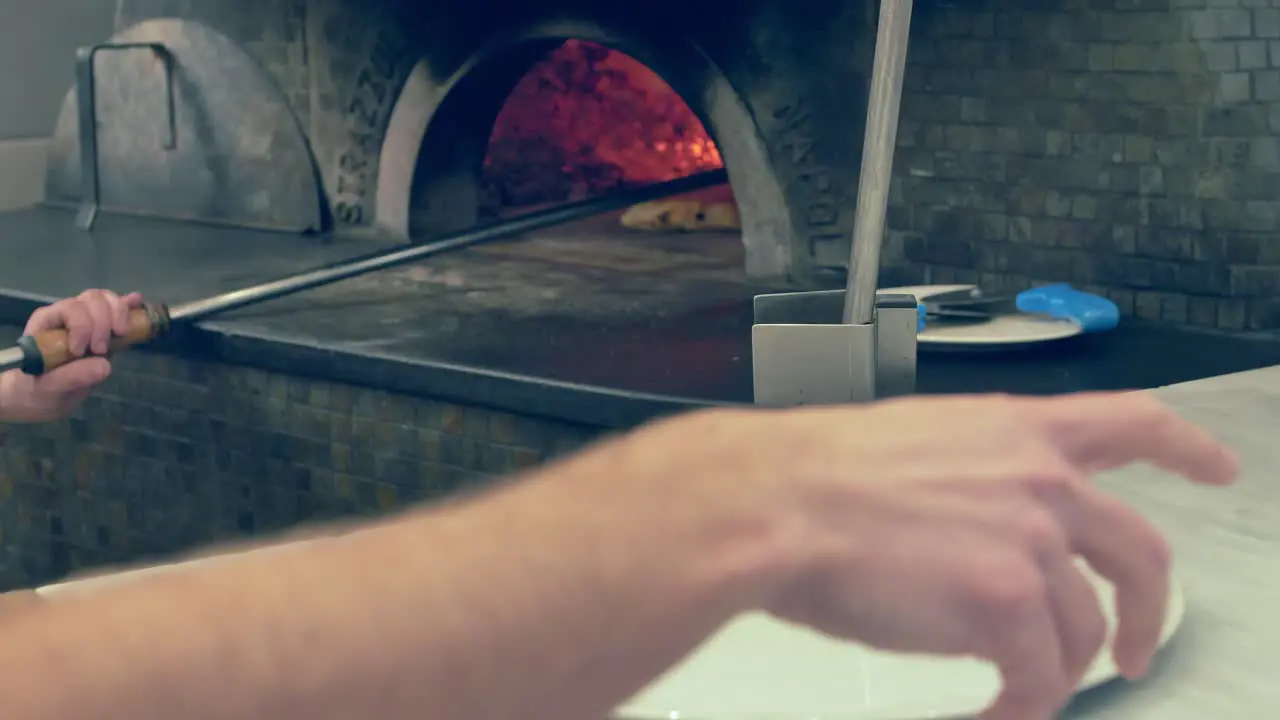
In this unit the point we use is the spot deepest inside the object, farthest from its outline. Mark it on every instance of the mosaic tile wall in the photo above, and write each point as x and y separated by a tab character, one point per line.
1122	145
174	453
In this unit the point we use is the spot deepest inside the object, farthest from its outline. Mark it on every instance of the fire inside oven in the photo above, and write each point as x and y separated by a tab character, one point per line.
587	120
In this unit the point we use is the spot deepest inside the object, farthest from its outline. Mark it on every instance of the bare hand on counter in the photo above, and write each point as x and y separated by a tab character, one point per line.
949	526
938	525
91	318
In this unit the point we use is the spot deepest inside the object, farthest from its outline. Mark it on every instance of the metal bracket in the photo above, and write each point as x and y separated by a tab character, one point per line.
86	98
803	355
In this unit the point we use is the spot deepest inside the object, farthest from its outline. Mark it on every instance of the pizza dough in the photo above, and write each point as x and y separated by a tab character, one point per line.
681	215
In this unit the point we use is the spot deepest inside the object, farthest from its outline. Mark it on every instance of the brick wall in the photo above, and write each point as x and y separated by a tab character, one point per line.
175	453
1124	145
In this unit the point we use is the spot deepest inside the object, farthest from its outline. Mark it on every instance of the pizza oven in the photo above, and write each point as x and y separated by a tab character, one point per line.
417	118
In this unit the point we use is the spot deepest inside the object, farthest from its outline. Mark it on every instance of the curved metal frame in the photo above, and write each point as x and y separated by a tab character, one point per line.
87	99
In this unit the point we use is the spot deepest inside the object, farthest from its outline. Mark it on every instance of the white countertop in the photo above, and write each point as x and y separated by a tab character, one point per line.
1225	661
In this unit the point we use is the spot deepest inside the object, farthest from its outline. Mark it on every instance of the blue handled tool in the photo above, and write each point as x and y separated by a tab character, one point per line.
1091	312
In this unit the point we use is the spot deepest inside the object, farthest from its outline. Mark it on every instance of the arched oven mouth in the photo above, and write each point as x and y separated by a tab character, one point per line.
553	116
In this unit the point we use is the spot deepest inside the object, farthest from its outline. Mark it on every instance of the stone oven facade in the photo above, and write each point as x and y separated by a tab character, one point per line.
1126	146
397	100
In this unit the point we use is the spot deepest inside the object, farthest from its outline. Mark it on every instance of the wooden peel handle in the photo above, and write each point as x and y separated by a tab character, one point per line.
51	350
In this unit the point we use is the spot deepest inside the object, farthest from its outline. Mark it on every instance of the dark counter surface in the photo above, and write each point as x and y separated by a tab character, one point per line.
584	323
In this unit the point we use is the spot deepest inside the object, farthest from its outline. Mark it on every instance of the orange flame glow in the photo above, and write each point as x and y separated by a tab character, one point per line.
587	119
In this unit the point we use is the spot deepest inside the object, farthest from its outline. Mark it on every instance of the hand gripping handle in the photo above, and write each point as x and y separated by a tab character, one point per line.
51	349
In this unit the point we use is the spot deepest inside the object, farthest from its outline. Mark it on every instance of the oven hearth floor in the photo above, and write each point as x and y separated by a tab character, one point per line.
585	322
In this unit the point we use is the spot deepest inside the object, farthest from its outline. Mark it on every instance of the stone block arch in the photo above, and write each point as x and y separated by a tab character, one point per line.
438	134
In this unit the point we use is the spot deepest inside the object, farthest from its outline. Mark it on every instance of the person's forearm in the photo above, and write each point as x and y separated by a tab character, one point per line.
90	578
555	598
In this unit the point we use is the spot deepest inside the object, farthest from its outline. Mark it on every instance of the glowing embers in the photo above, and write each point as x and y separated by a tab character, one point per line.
588	119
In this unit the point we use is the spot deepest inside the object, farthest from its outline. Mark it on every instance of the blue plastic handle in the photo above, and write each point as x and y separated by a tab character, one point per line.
1092	313
921	314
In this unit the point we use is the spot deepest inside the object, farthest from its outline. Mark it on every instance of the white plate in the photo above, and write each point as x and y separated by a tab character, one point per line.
758	668
1000	331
